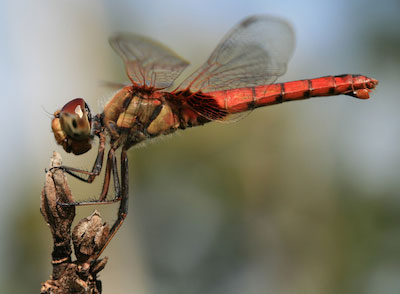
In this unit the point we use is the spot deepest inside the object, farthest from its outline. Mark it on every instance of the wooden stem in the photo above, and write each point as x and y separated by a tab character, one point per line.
88	238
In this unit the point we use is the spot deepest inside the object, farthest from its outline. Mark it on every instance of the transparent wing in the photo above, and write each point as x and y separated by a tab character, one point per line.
147	62
253	53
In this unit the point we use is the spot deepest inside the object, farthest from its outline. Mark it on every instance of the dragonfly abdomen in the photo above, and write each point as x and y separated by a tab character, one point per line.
354	85
243	99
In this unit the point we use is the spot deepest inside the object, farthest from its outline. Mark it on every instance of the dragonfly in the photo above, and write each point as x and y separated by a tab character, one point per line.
238	77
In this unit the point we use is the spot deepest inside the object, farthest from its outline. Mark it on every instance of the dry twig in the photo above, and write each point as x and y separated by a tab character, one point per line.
88	237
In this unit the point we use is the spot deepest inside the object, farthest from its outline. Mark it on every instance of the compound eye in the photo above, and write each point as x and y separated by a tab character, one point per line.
75	119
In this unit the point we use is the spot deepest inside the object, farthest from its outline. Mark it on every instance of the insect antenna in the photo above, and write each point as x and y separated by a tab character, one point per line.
49	114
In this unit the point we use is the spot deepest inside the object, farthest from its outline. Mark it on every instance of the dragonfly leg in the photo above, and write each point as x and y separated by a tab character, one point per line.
97	166
111	168
123	207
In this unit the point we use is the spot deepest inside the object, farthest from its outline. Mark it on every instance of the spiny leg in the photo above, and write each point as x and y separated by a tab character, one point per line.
123	207
111	168
97	166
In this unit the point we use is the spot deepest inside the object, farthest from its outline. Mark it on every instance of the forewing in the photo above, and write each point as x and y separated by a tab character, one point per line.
147	62
253	53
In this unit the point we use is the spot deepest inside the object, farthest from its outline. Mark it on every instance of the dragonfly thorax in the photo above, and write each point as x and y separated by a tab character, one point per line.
134	115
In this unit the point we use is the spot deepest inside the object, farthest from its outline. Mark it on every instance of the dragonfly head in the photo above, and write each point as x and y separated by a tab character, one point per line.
72	125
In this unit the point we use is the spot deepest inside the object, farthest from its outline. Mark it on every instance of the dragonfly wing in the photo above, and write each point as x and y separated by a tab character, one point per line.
253	53
147	62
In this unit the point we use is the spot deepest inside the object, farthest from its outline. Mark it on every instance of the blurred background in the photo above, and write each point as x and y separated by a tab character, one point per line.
296	198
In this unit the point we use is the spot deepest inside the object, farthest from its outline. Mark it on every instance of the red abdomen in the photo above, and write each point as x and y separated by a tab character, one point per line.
243	99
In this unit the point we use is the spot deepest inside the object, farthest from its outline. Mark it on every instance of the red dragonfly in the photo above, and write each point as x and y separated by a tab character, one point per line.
237	77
